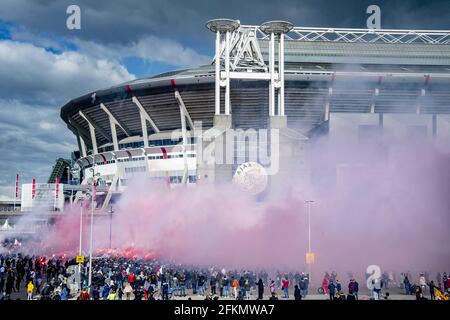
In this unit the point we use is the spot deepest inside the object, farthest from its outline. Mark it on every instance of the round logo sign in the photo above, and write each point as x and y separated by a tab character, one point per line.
251	177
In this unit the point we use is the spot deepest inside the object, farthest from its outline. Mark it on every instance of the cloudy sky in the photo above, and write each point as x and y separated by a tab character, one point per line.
43	64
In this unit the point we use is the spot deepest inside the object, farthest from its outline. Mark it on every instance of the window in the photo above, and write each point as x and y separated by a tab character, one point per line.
135	169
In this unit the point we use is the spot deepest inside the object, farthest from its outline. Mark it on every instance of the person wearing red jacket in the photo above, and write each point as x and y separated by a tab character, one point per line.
325	283
131	278
285	287
84	295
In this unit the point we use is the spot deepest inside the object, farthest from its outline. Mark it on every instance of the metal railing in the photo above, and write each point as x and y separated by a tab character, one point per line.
348	35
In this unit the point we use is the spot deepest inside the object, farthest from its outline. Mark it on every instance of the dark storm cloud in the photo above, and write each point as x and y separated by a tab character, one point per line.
107	21
34	85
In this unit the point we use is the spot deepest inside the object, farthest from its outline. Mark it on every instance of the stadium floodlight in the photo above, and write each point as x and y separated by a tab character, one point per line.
81	242
309	203
110	211
223	25
276	27
92	224
220	26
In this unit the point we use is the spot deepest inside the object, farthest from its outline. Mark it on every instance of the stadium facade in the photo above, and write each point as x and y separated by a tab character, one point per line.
297	82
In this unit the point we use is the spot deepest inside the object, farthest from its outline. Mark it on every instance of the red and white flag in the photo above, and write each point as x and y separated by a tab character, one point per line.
165	156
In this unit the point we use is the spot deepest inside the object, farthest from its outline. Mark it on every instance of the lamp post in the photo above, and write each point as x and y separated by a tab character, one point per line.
81	239
309	202
68	175
111	211
68	182
92	224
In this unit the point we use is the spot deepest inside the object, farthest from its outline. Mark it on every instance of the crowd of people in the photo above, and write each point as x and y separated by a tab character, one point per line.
61	278
120	278
379	287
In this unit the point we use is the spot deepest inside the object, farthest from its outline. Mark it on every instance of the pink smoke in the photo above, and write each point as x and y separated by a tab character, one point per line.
390	209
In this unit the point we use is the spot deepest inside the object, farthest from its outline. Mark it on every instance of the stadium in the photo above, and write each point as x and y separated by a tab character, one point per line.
298	82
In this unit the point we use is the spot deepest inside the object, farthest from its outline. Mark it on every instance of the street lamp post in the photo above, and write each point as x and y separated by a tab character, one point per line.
309	202
68	182
111	211
81	239
92	225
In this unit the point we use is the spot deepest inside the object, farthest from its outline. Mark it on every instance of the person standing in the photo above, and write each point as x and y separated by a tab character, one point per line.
128	290
131	280
9	283
112	295
325	283
64	293
272	287
331	290
2	277
445	281
448	284
422	282
96	294
247	288
356	289
182	282
338	286
407	285
235	285
201	284
260	285
84	295
376	290
351	287
304	283
165	290
225	286
241	286
419	294
30	288
432	287
38	282
285	287
297	293
105	292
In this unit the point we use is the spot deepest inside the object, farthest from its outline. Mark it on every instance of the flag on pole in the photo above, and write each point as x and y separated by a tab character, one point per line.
33	188
164	152
17	186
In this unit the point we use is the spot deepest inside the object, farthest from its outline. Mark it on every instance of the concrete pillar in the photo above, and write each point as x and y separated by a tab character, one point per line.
281	74
83	147
272	75
217	69
144	129
114	134
227	72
